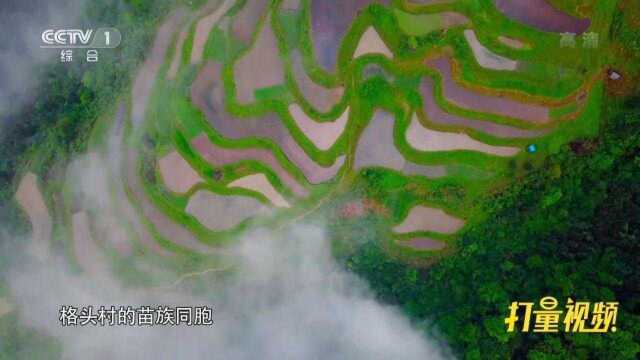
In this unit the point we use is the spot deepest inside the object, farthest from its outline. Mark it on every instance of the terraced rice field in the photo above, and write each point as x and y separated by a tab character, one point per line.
371	43
376	149
422	218
260	184
329	24
322	134
217	140
5	307
424	139
30	199
469	99
222	212
177	174
485	57
423	24
542	15
87	252
321	98
260	67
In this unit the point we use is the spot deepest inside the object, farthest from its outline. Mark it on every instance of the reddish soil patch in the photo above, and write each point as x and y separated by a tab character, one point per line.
422	218
330	20
624	85
439	116
263	55
319	97
247	19
422	243
361	207
469	99
375	207
352	210
631	11
208	95
542	16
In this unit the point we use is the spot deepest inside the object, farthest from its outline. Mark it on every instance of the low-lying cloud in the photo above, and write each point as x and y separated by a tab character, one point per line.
286	299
